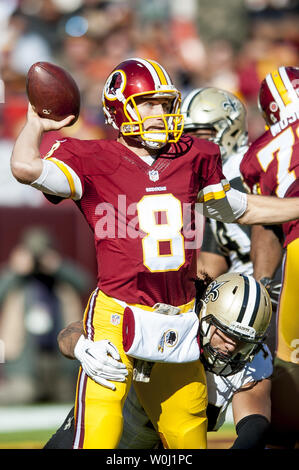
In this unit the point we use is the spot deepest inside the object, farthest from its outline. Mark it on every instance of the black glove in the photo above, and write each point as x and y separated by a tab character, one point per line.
273	287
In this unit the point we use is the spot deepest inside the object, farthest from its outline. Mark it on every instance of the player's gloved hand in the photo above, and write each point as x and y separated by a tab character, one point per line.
100	361
273	287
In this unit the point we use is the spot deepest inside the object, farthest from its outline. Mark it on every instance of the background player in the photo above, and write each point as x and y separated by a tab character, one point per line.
271	167
237	370
151	264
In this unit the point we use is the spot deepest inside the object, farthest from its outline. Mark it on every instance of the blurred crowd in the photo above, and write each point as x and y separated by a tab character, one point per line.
230	44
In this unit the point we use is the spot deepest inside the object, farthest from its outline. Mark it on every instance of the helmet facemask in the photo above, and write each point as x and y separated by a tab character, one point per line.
238	306
221	363
135	78
136	126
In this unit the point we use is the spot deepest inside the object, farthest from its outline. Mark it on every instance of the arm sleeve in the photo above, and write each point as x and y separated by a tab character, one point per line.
252	432
58	179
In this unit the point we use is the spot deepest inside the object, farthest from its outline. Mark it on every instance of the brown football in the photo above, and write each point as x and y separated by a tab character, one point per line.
52	92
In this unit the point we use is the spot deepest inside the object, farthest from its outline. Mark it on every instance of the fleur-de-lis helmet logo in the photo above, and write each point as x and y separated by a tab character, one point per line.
212	292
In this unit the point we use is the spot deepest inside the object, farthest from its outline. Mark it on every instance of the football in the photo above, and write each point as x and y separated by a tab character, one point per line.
52	92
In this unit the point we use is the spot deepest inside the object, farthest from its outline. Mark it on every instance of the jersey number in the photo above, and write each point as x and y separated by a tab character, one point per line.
282	147
160	217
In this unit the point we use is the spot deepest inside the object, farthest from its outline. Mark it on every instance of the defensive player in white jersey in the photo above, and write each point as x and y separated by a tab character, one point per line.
238	365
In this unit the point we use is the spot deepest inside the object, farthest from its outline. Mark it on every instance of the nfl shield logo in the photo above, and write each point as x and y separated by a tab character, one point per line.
115	319
153	175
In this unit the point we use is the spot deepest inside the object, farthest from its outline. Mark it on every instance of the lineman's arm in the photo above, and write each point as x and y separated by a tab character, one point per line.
100	360
269	210
211	263
252	413
68	338
250	209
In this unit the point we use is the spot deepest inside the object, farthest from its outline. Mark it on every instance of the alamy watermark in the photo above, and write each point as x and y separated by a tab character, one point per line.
162	217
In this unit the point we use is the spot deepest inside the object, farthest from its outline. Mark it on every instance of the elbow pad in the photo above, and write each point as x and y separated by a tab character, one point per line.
58	179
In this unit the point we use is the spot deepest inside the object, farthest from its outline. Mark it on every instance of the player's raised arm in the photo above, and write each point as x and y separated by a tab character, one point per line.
50	108
26	163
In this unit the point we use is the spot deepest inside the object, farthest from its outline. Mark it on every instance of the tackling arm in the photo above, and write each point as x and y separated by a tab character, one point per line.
252	414
211	263
68	338
100	360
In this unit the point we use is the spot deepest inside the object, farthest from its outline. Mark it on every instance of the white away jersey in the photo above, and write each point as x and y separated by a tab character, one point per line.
222	389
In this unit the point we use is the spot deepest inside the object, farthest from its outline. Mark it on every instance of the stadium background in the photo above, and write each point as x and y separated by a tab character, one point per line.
231	45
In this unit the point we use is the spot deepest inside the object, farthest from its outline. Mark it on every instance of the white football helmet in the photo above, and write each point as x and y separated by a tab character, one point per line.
240	307
218	110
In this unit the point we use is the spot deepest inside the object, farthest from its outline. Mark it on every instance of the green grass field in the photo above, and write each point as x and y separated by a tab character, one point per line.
36	439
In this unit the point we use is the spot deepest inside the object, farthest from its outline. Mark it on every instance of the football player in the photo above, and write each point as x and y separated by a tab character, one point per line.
271	167
219	116
134	192
238	365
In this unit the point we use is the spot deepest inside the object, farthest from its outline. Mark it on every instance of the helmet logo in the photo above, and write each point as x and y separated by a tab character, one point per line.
273	107
230	104
153	175
212	292
115	85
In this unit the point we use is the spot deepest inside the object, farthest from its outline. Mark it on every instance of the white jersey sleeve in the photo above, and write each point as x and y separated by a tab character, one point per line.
58	179
222	389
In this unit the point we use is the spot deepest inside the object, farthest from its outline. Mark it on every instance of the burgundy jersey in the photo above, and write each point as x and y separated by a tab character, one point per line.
143	216
271	166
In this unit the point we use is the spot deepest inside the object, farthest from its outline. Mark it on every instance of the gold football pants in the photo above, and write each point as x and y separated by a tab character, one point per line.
175	398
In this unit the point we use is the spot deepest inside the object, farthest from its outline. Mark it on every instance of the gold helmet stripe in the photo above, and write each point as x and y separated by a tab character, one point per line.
161	73
281	88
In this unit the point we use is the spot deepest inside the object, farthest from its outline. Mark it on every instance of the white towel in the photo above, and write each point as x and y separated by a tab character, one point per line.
161	338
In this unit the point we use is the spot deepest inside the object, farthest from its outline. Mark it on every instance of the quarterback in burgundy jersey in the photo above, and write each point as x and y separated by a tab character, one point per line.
145	262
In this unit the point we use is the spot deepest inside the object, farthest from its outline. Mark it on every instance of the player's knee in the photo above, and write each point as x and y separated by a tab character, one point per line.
104	432
190	435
